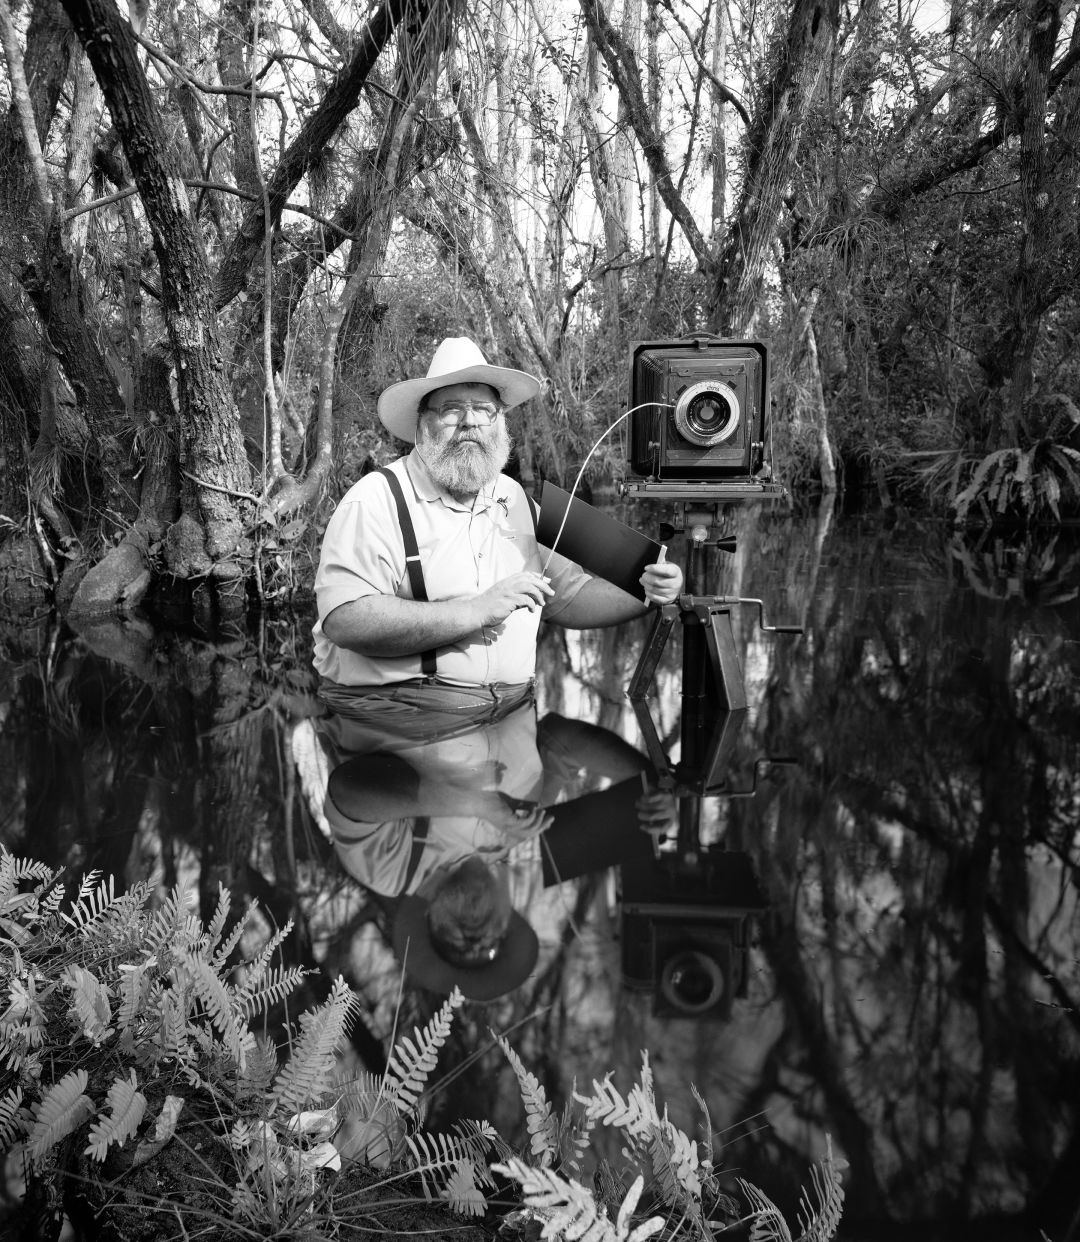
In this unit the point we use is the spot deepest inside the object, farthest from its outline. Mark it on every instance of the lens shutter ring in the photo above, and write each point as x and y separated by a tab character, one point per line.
708	413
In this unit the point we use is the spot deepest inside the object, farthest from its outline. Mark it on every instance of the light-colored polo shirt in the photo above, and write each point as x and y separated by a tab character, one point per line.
463	551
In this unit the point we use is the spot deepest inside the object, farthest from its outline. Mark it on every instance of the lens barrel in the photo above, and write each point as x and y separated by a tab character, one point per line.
707	413
691	981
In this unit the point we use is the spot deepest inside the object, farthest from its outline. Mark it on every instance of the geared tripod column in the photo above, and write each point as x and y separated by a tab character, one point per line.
713	689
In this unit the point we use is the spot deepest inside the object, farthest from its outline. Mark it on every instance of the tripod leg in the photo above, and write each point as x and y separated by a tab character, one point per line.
651	652
724	659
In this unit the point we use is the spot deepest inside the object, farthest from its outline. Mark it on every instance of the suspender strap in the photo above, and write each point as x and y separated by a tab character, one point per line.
419	840
412	558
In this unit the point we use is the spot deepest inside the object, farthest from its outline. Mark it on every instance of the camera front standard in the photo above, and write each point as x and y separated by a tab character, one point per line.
699	418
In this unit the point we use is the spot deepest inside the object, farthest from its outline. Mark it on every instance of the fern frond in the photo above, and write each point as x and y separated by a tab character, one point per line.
13	1118
309	1071
482	1137
819	1224
258	1073
257	967
164	931
134	988
574	1130
674	1159
94	898
126	1105
90	1002
768	1223
432	1155
462	1193
216	925
173	1035
410	1064
14	870
219	1003
636	1115
257	999
62	1110
543	1129
709	1142
567	1208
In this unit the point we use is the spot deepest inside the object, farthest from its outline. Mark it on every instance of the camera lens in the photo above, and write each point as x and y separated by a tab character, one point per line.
707	413
691	981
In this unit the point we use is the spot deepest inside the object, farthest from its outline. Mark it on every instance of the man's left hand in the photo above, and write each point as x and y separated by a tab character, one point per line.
663	582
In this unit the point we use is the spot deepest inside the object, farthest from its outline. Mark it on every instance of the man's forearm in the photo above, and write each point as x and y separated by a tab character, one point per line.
599	603
385	625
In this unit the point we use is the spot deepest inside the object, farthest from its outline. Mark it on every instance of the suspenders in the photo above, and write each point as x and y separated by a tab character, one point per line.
412	555
412	558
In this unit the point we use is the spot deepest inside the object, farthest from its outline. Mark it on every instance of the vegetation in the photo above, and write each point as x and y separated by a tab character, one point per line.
225	226
127	1061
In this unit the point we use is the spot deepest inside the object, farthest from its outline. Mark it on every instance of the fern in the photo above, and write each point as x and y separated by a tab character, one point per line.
310	1068
259	964
575	1128
543	1129
218	1000
13	1118
134	989
214	929
767	1221
820	1223
462	1193
569	1210
126	1104
90	1001
434	1154
63	1108
252	1000
410	1064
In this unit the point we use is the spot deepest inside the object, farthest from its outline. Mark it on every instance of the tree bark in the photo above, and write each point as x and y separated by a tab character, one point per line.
211	451
772	145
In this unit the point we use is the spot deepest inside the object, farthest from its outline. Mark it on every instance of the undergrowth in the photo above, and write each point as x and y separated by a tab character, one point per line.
123	1025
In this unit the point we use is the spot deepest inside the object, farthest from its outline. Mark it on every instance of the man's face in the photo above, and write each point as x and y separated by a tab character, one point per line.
466	454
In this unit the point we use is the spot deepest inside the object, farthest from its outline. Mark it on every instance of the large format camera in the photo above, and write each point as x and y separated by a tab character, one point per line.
685	932
699	420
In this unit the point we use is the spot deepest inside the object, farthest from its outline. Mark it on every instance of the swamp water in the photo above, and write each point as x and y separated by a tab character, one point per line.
870	933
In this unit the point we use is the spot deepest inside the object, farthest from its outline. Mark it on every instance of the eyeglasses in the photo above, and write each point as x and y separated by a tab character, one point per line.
454	411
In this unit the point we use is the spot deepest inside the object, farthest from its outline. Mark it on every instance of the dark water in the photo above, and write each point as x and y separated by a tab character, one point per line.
867	931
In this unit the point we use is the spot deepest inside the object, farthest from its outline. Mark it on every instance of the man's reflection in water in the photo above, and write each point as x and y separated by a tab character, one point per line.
457	823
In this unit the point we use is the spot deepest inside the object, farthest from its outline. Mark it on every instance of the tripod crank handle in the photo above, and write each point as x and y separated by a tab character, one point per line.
760	605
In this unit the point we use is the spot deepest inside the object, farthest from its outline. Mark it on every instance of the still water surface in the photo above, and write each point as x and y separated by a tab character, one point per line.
867	931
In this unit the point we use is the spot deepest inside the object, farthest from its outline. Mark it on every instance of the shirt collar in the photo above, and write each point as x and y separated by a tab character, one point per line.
427	489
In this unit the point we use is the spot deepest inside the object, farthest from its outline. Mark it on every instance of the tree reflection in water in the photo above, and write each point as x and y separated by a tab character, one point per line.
912	988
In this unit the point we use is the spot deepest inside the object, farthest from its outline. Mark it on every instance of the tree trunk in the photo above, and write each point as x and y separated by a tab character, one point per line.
1043	18
211	451
772	145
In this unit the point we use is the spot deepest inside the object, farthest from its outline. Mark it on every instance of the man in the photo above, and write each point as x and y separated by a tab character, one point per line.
455	621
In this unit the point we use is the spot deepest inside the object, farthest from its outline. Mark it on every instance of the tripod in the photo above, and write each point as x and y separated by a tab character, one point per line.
713	693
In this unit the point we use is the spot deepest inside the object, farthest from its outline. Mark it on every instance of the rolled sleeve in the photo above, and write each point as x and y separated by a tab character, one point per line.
567	578
362	552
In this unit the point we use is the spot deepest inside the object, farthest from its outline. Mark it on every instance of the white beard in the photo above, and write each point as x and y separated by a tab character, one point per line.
464	467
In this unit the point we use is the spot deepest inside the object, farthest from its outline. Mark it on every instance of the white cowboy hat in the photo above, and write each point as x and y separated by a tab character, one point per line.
457	361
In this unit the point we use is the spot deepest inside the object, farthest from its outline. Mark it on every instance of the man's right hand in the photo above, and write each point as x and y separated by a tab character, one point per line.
526	589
